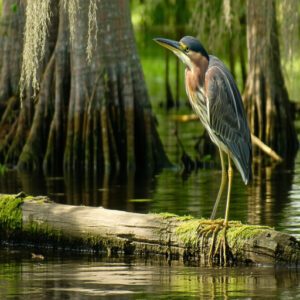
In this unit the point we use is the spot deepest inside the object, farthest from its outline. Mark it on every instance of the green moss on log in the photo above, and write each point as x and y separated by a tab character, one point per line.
236	236
189	232
10	213
166	215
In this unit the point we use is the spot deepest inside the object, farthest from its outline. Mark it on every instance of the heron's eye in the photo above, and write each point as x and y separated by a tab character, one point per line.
187	49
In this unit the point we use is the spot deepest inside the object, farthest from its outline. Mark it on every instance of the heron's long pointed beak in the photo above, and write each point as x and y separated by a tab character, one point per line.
169	44
176	48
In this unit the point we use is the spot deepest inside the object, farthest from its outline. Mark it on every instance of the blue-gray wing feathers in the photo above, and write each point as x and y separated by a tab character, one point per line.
227	118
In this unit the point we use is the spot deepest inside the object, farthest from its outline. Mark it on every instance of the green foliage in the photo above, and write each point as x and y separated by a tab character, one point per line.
170	14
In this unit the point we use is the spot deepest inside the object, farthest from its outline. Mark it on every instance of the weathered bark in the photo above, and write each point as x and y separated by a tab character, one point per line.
266	98
11	43
40	221
19	133
34	148
93	116
53	160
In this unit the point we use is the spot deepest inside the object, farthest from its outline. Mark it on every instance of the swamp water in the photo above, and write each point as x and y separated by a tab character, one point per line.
273	198
85	277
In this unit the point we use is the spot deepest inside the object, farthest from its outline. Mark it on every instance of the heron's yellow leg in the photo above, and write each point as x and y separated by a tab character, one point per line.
230	174
222	244
219	227
222	185
213	226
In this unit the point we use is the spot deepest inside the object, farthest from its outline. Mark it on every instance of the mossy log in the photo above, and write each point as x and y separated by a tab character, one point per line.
40	222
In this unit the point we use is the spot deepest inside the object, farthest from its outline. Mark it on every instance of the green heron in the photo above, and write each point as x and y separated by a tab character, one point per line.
215	98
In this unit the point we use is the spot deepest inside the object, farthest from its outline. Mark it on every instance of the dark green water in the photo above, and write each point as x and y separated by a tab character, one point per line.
271	199
85	277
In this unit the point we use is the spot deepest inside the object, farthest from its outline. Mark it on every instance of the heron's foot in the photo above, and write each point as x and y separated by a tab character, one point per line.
221	248
207	229
210	227
218	246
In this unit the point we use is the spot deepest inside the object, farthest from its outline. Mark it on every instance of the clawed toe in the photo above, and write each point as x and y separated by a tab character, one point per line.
218	247
221	247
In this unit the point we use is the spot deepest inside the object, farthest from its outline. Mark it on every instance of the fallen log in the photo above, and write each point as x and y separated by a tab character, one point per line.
39	221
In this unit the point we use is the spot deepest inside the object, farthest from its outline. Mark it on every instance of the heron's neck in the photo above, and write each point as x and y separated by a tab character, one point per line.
195	76
199	70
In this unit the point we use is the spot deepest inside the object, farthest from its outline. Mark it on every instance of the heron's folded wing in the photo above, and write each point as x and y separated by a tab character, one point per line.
227	118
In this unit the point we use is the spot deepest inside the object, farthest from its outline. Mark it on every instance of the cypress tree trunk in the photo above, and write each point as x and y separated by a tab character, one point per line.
93	116
27	123
266	97
12	24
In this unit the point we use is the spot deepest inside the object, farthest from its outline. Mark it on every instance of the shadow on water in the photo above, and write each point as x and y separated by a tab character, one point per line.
119	278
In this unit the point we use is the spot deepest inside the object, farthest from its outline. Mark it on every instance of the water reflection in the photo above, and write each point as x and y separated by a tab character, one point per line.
87	277
271	199
269	193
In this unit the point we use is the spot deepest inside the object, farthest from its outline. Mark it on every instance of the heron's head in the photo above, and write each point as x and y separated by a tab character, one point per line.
188	49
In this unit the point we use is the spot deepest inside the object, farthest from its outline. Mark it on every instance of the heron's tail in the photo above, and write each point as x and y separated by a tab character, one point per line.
242	158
